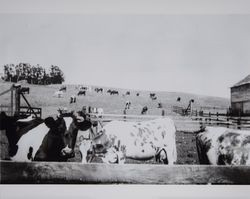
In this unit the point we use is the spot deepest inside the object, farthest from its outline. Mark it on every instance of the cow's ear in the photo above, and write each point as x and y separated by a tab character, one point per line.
84	125
50	122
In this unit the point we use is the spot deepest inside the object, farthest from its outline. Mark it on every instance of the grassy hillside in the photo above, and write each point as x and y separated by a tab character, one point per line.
42	96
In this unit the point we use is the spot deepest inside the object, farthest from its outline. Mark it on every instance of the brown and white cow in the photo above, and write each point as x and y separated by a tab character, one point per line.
223	146
119	140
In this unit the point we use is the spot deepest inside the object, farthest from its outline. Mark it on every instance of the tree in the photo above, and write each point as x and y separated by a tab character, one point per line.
33	74
57	76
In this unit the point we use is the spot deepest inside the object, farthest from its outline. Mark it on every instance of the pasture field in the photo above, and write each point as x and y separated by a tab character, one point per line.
42	96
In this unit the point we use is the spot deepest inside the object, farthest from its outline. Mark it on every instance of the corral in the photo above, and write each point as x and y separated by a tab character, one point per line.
187	170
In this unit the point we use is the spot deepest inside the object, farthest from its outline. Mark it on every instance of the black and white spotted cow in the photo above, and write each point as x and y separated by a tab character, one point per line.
119	140
63	88
13	128
81	92
52	140
144	110
128	93
99	90
223	146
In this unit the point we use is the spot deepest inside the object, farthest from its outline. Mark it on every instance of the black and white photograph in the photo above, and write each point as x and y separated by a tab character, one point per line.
112	97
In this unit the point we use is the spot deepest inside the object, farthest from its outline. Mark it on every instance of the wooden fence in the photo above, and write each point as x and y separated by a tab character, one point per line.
206	119
24	111
217	119
77	173
220	119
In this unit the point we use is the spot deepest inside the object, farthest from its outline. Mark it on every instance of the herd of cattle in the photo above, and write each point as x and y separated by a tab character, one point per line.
82	91
54	139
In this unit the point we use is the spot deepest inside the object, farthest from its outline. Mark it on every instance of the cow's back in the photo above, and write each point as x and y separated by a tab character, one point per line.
140	137
220	145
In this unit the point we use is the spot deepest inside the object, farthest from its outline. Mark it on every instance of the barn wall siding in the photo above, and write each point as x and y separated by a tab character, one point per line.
246	107
240	94
240	99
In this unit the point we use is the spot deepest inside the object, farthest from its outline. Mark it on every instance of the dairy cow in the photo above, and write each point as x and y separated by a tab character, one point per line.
52	140
223	146
119	140
14	128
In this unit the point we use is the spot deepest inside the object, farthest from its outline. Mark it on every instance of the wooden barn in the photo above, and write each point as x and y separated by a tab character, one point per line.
240	97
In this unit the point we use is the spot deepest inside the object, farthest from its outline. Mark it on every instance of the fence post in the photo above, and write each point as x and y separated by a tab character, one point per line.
239	122
217	119
124	113
201	122
11	101
209	115
162	112
227	120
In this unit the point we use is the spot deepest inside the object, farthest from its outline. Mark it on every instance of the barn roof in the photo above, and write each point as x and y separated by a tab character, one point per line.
246	80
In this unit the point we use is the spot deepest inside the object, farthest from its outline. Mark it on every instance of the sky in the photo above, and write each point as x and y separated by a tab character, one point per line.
200	54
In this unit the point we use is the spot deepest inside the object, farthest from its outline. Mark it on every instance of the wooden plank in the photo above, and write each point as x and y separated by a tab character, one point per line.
77	173
5	91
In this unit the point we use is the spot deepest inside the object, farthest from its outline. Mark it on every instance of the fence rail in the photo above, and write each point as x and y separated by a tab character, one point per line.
23	111
77	173
219	119
206	119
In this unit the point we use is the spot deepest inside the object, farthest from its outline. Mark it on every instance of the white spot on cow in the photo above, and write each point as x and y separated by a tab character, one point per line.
68	122
32	139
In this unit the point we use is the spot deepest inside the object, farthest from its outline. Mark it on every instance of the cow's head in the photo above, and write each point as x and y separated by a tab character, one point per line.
59	143
74	122
100	146
52	143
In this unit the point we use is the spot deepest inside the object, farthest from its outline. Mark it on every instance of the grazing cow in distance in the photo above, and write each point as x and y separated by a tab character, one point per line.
178	99
52	140
119	140
223	146
99	90
63	88
127	105
152	95
58	94
72	99
84	88
144	110
81	92
128	93
113	92
159	105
